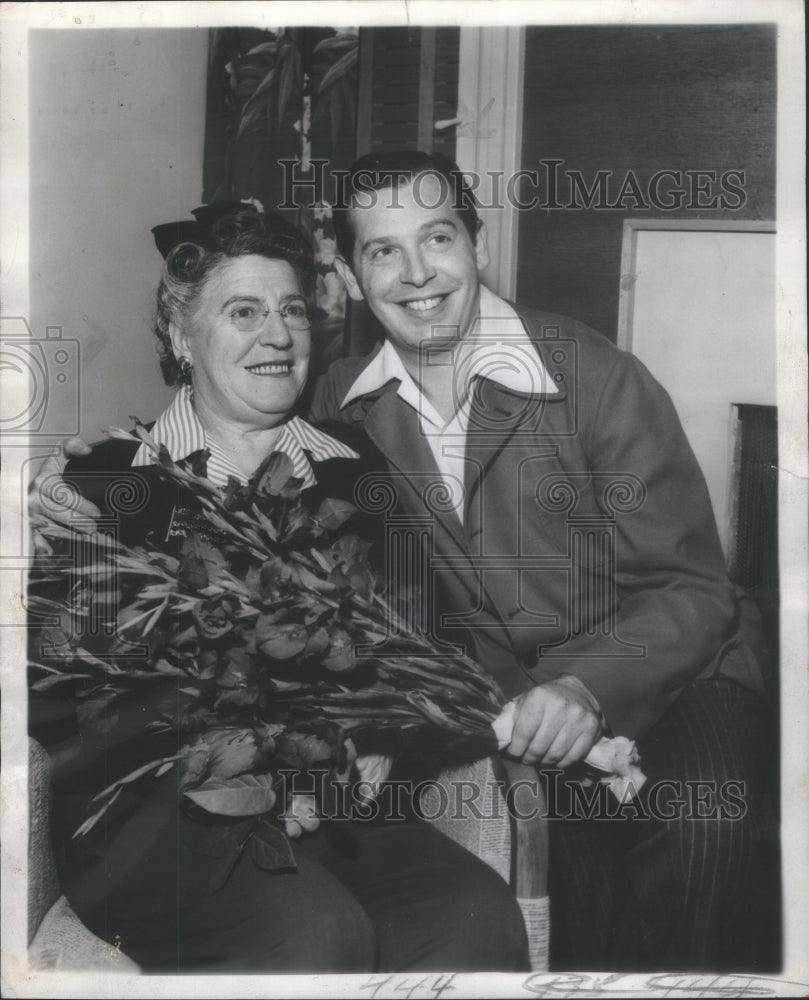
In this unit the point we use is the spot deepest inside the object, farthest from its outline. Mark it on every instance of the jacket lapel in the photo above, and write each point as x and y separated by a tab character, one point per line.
498	419
393	426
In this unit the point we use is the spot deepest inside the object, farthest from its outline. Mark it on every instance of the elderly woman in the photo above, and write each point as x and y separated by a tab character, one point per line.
234	332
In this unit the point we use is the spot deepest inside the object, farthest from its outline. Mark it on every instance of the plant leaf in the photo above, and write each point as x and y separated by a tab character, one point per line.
270	849
264	86
245	795
286	85
52	679
333	512
341	68
271	48
342	40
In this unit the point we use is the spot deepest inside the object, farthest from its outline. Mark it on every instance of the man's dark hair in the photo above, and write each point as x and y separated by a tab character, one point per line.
376	171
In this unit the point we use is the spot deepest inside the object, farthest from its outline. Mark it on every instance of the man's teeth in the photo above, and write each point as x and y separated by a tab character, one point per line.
422	305
281	368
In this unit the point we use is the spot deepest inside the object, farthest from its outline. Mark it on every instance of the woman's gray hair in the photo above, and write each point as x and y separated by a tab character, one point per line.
189	265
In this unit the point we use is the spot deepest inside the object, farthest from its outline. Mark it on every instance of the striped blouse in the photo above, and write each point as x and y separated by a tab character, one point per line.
179	429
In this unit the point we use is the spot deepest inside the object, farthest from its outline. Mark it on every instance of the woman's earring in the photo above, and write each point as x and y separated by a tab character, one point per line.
185	369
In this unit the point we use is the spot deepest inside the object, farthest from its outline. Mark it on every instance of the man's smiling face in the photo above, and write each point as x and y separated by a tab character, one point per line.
415	263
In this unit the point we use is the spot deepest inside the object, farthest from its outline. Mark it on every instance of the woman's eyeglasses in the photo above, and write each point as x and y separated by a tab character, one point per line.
250	317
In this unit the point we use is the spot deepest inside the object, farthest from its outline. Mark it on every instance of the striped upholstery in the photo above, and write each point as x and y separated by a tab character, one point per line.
516	849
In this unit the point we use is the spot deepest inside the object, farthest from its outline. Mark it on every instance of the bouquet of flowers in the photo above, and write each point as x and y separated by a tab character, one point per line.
254	648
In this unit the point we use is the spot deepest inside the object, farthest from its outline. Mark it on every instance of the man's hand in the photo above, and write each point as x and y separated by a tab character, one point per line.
555	724
49	496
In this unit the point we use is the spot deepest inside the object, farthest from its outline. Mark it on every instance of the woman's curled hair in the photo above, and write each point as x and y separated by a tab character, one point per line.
193	250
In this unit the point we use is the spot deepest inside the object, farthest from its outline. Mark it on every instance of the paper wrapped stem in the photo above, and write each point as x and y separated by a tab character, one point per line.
617	757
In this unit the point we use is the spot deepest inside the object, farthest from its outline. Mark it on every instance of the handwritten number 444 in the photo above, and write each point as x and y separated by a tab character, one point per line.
409	986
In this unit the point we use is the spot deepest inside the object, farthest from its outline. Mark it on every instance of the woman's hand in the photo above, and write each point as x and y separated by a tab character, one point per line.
372	769
49	496
301	815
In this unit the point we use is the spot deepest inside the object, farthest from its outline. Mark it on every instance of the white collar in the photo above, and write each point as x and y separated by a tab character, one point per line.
497	347
180	430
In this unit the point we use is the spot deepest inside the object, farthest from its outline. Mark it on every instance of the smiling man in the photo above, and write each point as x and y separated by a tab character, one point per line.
575	555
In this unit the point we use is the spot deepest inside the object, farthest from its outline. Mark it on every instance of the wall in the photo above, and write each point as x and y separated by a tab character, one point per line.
686	329
117	121
639	100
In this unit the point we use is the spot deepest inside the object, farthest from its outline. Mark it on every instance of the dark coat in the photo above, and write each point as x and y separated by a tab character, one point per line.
588	544
143	505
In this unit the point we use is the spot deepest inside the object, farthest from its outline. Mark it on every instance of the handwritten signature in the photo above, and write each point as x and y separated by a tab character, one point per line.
581	985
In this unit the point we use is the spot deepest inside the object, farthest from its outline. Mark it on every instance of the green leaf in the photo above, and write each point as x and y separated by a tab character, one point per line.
233	751
245	795
273	475
341	68
111	792
286	86
333	512
304	749
342	40
301	522
251	120
313	609
266	524
265	86
193	572
270	48
270	849
237	671
52	679
308	581
163	457
193	765
162	666
236	698
361	578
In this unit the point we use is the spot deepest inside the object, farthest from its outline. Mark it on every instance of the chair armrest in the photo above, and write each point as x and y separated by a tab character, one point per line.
469	808
43	880
63	944
57	939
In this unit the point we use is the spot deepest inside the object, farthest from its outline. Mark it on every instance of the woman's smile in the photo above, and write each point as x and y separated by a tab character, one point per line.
276	369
